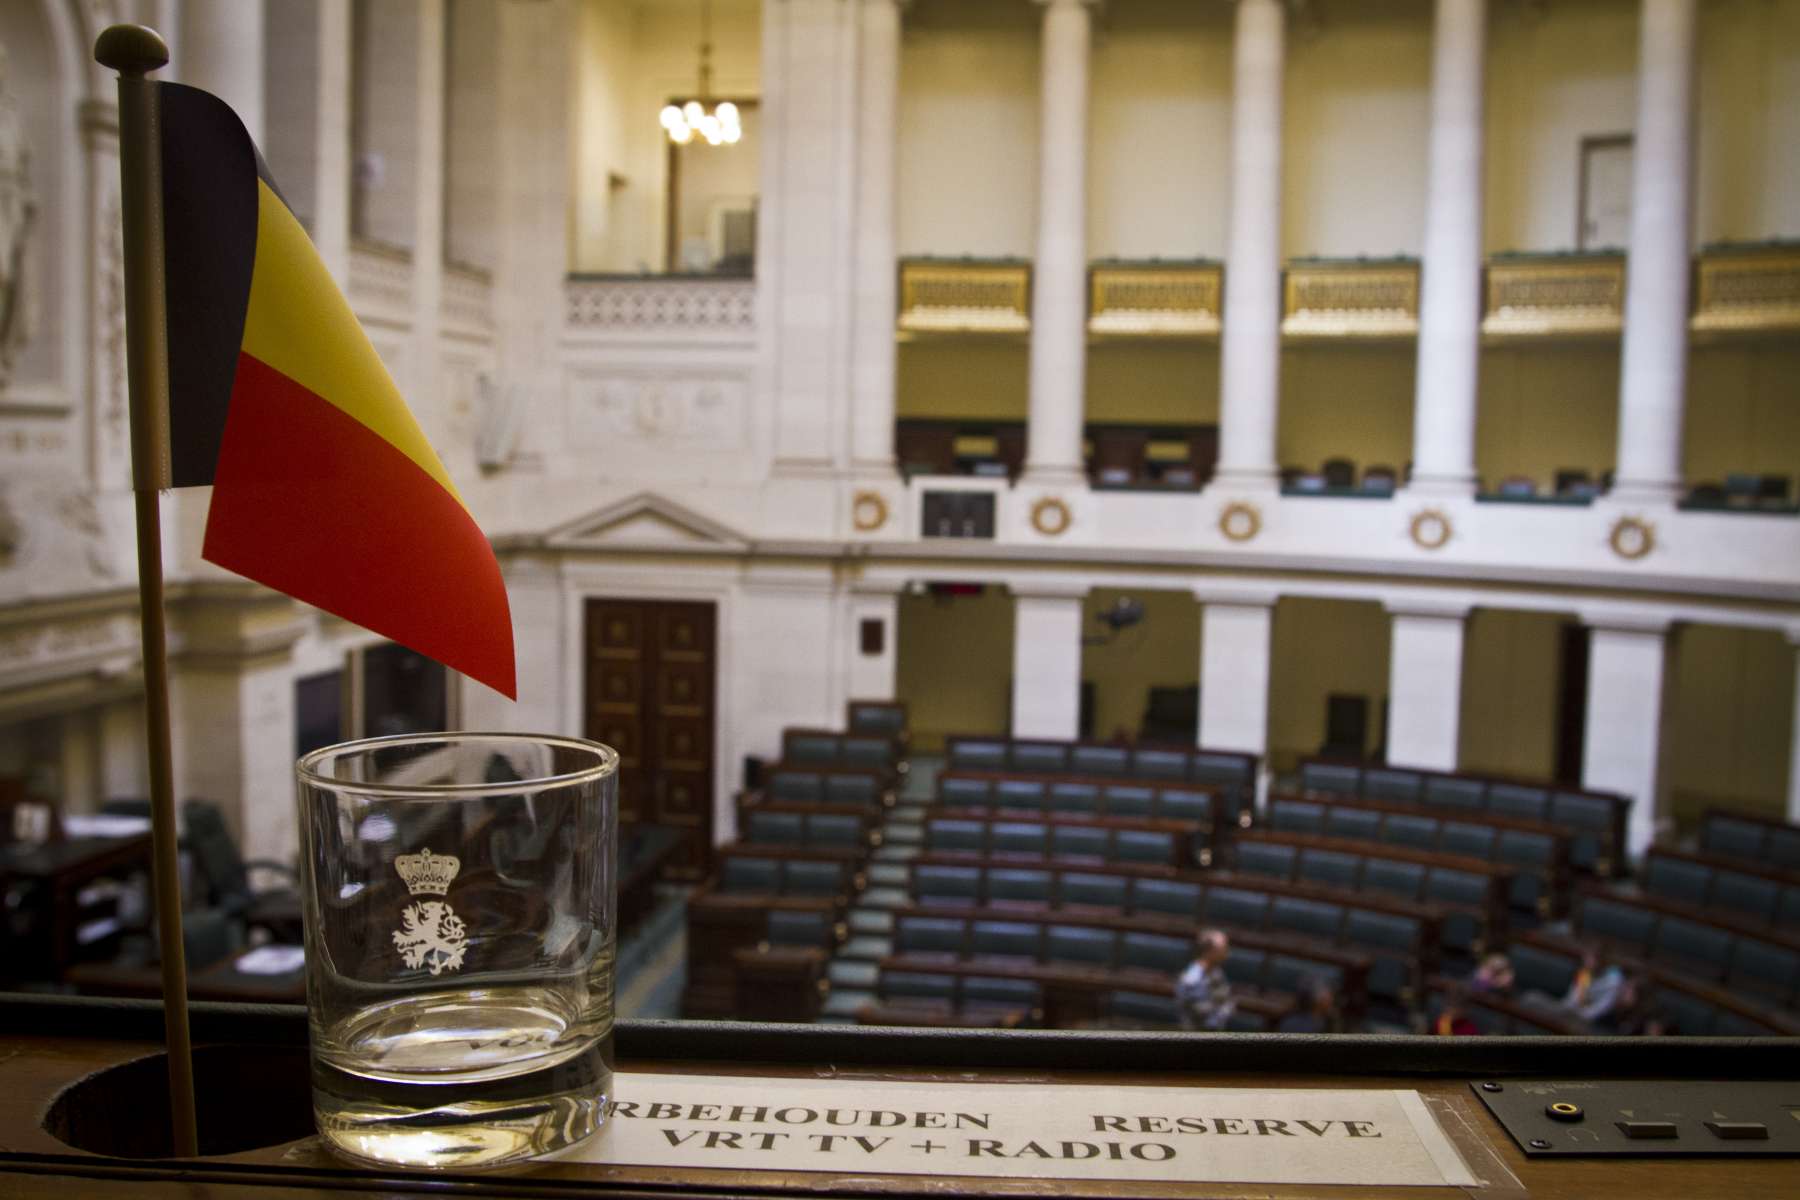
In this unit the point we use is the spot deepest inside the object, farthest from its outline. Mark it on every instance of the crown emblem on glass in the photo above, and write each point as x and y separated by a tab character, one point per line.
428	874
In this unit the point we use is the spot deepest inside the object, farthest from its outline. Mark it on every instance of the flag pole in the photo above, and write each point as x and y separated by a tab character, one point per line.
134	51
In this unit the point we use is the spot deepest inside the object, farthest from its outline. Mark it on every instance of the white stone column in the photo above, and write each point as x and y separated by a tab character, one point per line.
1654	376
1425	660
232	712
1234	671
1793	787
1046	695
124	764
1059	274
331	218
222	51
78	766
425	372
805	254
1621	751
1450	290
872	350
1250	342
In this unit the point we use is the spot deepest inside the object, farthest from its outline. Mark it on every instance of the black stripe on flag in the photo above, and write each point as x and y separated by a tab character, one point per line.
209	172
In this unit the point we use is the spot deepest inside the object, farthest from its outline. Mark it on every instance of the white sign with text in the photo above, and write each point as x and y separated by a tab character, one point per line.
1038	1131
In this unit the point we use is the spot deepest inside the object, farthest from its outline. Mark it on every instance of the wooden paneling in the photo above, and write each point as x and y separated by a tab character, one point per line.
650	692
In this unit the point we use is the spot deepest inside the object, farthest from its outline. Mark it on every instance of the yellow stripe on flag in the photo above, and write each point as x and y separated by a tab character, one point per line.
300	324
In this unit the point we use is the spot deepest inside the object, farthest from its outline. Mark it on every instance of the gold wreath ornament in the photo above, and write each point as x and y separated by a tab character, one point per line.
1430	529
1240	521
1632	537
1050	516
868	511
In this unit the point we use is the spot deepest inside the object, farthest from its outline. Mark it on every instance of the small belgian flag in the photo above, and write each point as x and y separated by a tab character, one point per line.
324	486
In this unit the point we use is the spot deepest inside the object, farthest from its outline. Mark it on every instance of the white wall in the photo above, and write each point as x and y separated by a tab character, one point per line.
1749	121
968	157
1354	129
1160	130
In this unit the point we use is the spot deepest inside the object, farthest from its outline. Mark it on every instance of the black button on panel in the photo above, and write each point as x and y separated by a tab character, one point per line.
1639	1130
1739	1130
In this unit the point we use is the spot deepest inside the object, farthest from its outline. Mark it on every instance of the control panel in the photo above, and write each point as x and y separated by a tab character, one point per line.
1646	1117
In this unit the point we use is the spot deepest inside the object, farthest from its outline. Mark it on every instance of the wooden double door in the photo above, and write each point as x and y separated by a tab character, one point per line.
650	691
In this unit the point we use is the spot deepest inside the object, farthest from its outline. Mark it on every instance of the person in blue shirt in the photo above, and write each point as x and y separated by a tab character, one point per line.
1202	992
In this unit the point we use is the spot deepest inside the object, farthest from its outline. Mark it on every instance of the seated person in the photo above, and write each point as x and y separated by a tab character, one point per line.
1494	976
1599	988
1317	1012
1453	1020
1203	993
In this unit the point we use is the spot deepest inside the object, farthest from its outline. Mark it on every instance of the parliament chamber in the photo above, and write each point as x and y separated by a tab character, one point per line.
1242	543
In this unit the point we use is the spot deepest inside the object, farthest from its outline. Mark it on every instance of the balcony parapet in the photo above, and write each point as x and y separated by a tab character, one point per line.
1155	298
381	280
1555	295
964	295
1748	287
1350	298
660	305
467	304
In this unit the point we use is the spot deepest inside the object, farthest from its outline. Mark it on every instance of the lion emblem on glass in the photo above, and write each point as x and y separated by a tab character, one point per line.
431	935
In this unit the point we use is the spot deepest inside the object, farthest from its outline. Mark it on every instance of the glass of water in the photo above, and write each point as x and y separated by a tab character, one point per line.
459	899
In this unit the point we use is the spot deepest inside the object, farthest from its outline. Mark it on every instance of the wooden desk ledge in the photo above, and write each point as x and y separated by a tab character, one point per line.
49	1043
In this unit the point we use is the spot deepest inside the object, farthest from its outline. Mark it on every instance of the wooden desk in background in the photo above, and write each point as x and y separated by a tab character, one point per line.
63	869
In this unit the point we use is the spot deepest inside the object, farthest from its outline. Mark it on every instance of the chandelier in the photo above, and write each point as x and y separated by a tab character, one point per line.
715	124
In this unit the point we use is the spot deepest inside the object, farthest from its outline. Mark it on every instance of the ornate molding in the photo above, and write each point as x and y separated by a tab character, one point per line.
1632	538
964	297
1051	517
653	305
1335	299
1563	295
381	276
468	299
868	511
1430	528
1749	289
1155	300
1240	520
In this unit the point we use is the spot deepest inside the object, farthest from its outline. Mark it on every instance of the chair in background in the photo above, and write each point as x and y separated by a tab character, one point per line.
1518	485
1339	473
227	876
1706	495
1118	456
1346	726
1171	714
1379	479
1741	490
1774	491
1574	481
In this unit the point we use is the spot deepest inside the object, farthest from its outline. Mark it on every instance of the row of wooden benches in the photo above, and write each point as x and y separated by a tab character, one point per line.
1232	772
1596	820
1751	839
1539	852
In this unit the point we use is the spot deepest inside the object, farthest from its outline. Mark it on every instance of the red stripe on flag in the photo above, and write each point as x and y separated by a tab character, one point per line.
309	501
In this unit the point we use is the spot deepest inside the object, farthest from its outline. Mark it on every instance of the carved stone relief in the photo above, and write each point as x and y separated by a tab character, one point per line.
686	410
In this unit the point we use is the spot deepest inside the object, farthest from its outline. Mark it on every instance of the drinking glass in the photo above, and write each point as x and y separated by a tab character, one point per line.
458	893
